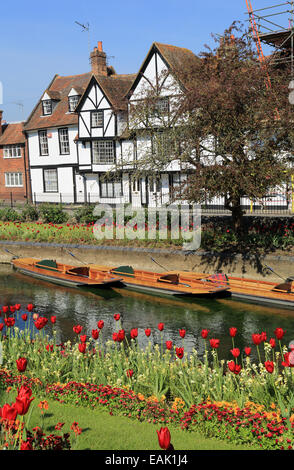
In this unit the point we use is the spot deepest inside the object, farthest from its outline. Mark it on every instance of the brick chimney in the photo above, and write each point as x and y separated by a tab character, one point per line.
1	113
98	60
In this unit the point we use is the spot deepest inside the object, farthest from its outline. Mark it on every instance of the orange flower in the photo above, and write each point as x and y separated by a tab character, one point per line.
43	405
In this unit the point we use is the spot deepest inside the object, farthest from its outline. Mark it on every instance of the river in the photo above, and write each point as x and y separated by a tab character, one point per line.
73	306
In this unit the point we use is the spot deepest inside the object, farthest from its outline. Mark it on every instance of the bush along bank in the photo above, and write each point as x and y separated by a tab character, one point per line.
239	400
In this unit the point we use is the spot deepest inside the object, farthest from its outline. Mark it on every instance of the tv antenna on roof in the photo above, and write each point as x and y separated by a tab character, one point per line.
85	27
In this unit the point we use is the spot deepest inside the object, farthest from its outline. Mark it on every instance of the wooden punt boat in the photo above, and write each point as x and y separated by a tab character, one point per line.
65	274
253	290
174	283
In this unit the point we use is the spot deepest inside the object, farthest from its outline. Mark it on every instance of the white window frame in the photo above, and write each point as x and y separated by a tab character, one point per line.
12	151
14	180
52	181
73	102
103	152
63	137
43	143
47	107
111	189
97	118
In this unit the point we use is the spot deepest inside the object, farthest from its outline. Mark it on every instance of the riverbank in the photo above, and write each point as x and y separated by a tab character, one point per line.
238	264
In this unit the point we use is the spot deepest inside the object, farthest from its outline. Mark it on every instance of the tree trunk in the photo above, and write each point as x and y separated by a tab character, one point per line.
234	205
237	217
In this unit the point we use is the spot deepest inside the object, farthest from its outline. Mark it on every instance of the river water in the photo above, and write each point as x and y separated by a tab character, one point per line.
73	306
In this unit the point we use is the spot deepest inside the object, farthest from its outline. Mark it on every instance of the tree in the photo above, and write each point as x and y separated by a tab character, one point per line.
229	130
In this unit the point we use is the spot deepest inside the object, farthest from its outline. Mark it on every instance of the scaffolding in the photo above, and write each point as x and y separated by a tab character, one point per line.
274	26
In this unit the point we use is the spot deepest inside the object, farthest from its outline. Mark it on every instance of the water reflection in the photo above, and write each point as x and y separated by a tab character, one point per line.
72	306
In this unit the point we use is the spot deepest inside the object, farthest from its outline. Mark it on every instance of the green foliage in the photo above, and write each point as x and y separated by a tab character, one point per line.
9	215
85	214
53	213
30	213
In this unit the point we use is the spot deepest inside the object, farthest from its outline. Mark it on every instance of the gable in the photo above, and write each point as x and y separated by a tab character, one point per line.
155	76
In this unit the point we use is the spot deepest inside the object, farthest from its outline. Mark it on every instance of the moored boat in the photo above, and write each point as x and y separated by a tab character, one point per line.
174	283
252	290
65	274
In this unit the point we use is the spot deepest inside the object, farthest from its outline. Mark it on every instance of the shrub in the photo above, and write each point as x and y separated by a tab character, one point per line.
30	213
85	215
9	215
52	213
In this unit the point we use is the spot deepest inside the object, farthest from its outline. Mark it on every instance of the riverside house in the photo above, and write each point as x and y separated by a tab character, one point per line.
14	165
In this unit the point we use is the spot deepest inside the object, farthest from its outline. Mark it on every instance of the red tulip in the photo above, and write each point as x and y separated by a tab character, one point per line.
256	338
83	338
235	352
147	332
8	412
180	352
116	316
21	364
9	321
100	324
204	333
263	336
40	323
121	335
82	347
17	306
235	368
247	351
53	319
182	333
30	307
269	365
130	373
169	345
134	333
24	391
12	308
5	309
24	317
272	342
114	336
1	326
233	331
279	333
49	347
22	404
164	438
95	334
288	359
160	326
214	343
77	329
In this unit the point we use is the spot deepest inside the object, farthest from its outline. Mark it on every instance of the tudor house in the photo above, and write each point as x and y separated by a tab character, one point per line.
105	141
14	166
79	132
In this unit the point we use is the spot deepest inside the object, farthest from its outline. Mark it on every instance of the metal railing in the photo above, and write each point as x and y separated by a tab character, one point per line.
273	204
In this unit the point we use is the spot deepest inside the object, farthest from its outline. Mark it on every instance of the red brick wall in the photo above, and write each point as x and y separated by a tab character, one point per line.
15	165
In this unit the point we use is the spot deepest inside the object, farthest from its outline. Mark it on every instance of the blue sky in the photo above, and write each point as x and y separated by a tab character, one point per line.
40	40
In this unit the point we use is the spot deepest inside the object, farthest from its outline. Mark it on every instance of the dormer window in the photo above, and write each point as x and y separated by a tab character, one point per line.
47	107
72	102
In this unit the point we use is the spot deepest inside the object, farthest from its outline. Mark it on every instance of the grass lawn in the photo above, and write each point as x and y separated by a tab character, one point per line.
102	431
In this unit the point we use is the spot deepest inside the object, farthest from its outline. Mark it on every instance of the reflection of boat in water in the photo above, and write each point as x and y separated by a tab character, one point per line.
171	283
258	307
65	274
185	302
